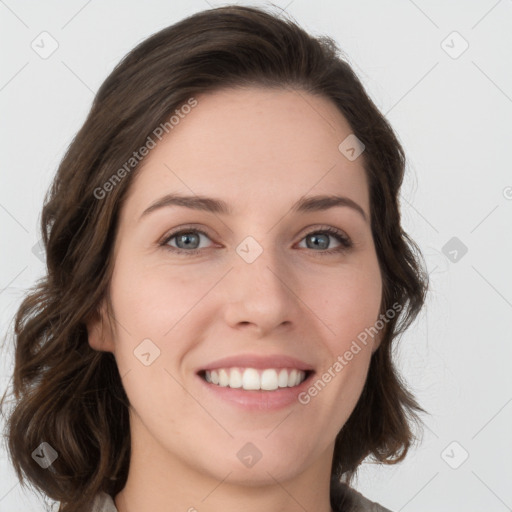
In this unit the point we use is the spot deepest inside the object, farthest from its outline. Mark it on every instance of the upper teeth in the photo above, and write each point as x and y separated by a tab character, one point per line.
252	379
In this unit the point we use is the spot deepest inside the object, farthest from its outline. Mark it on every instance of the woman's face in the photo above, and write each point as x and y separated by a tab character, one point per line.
260	283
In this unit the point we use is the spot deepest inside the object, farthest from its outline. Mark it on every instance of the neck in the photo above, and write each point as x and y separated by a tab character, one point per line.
158	481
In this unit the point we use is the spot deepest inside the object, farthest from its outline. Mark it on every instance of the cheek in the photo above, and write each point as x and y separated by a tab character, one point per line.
347	301
351	310
148	308
153	297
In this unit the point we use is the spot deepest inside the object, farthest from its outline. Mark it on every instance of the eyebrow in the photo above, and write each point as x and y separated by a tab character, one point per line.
218	206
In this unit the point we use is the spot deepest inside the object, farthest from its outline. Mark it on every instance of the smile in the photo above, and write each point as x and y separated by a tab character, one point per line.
252	379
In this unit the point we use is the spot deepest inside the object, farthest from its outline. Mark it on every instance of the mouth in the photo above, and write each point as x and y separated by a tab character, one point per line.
255	379
255	382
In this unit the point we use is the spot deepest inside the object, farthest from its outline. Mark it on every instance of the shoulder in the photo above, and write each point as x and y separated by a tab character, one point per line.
347	499
103	502
364	504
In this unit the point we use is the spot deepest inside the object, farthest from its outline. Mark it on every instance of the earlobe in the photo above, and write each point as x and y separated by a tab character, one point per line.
98	330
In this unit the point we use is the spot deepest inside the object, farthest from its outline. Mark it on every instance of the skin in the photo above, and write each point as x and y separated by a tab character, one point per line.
260	150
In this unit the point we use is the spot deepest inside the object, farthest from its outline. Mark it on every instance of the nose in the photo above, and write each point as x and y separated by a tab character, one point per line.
260	295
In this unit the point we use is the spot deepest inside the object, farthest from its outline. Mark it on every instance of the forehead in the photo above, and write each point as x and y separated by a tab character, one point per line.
254	147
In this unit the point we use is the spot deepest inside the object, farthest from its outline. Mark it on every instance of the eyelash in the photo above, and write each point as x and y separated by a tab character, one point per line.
345	242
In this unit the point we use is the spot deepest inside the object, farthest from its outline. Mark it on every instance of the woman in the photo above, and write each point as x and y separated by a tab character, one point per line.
227	273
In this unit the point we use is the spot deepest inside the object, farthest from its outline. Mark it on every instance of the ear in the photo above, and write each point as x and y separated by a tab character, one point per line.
99	331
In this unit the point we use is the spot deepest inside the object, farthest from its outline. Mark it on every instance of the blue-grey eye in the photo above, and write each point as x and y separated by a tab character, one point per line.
188	239
318	240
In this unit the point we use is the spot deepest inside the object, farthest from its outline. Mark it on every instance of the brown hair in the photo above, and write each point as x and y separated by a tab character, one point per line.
71	396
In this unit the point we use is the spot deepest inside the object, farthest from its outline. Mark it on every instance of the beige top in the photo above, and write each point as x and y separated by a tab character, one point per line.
104	503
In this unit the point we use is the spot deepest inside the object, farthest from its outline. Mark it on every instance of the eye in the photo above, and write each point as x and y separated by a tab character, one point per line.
320	239
187	241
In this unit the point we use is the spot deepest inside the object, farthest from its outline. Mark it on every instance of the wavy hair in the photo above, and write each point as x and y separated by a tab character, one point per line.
70	395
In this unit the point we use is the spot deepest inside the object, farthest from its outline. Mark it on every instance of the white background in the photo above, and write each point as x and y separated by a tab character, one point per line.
454	118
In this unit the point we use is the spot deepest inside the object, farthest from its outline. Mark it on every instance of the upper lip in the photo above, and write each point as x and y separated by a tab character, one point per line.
258	361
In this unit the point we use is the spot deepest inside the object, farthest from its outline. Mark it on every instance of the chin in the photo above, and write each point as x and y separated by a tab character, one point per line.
278	464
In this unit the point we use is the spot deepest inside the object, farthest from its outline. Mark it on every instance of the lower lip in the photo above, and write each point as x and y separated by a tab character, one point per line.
258	400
